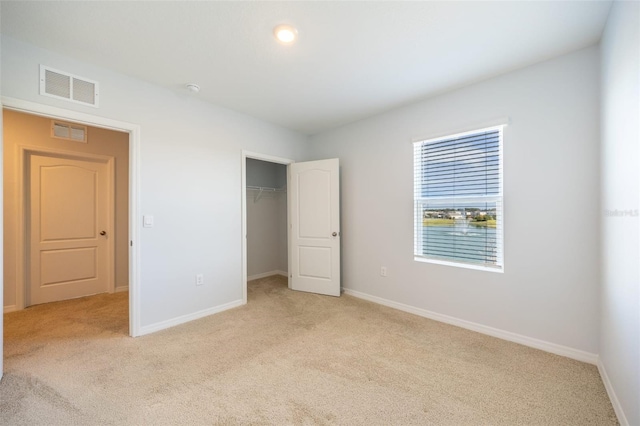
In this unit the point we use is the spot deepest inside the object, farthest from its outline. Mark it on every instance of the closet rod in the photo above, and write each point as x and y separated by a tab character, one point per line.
266	188
262	189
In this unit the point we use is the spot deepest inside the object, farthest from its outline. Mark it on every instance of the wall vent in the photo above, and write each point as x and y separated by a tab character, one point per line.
68	131
62	85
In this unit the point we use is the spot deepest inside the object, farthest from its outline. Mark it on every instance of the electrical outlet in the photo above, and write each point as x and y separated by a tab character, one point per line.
383	271
199	279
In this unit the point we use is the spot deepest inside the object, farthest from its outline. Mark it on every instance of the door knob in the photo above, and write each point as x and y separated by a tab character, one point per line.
103	233
335	234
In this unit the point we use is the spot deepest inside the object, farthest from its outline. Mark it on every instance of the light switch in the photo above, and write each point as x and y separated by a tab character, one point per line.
147	221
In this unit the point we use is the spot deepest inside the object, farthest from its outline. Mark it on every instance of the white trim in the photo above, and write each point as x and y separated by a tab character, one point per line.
67	115
10	308
459	131
458	264
121	288
243	213
490	331
243	189
460	134
134	180
448	200
289	234
267	274
148	329
265	157
617	407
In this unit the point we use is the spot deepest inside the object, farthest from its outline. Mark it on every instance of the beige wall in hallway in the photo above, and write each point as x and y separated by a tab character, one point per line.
34	131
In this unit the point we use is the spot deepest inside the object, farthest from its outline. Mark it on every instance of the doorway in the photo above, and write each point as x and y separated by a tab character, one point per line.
66	209
313	223
264	217
128	228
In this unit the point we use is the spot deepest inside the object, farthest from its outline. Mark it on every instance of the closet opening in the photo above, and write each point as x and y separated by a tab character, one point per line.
264	218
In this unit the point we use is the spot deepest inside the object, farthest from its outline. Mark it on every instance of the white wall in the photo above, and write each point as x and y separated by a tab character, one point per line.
549	290
620	295
190	178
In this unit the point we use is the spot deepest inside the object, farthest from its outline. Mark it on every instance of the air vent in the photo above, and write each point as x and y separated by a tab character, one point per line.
62	85
68	131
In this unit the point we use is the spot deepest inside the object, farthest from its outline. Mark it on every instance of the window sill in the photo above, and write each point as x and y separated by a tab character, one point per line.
459	265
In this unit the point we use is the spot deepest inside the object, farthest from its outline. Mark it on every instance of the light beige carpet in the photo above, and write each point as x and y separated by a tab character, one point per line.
284	358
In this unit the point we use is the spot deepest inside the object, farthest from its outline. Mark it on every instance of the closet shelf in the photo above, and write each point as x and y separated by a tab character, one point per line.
262	189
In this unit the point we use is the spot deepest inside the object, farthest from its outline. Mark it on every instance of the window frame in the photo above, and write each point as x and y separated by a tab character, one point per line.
419	201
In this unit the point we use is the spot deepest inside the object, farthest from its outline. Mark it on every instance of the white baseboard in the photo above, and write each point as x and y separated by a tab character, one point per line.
121	288
617	407
147	329
10	308
495	332
267	274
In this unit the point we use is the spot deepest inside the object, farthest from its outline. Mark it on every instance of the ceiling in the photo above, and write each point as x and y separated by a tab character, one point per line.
351	60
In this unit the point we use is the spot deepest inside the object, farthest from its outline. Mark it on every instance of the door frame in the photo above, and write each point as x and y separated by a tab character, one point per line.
134	181
23	248
243	239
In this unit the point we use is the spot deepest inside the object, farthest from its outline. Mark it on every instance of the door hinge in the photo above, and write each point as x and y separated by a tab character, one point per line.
131	243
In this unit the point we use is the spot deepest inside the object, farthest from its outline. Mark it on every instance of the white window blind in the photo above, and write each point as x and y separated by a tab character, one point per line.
458	199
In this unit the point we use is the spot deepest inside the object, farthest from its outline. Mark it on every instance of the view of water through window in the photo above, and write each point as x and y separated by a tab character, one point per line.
468	234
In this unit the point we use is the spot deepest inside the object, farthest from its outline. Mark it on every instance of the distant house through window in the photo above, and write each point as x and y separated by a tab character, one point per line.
458	216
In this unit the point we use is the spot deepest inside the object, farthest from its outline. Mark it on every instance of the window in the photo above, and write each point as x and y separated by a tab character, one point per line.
458	199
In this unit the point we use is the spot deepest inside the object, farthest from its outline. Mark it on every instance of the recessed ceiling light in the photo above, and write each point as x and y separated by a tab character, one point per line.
285	33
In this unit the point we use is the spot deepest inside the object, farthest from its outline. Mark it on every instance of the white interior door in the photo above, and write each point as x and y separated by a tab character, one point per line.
69	212
314	209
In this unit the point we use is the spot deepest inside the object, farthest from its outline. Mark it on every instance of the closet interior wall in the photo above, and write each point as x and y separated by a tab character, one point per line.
266	219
